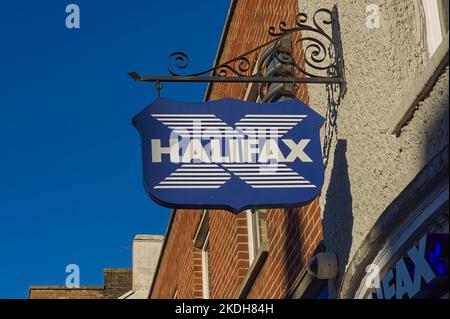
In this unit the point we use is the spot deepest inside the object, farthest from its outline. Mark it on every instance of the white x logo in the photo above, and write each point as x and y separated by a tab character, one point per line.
214	175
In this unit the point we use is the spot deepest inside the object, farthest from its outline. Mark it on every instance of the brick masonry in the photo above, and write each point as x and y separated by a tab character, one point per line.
116	282
293	234
52	292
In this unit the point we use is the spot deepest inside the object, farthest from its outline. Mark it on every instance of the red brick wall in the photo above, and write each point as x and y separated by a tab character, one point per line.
197	273
176	271
248	29
228	251
293	234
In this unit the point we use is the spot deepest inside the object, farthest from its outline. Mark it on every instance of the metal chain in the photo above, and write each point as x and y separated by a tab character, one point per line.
158	87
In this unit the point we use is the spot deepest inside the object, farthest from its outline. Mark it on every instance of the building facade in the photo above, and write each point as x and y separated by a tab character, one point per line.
383	210
116	282
119	283
386	189
254	254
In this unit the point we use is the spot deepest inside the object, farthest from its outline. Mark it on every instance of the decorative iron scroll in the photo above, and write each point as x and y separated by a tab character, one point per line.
321	62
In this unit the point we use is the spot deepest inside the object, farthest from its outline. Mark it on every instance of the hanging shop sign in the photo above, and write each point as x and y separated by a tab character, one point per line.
230	154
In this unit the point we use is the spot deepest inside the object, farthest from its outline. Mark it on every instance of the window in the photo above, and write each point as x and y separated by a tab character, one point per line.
205	268
258	249
257	231
436	23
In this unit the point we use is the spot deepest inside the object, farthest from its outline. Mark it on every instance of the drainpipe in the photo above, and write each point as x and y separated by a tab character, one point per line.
278	62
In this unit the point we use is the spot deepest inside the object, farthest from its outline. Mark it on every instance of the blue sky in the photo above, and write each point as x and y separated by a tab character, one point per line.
70	167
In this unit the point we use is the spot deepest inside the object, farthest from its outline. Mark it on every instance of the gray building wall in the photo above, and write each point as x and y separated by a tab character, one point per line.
368	166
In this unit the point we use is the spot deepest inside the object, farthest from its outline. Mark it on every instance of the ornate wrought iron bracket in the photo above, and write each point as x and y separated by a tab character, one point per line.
321	59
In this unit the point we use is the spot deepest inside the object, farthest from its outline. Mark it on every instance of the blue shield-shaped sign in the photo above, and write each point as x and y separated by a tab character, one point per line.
230	154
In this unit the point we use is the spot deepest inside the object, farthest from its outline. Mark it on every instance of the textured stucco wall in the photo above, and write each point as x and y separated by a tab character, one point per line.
368	167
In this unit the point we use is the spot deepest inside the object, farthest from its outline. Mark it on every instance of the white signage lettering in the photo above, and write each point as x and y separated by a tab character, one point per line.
237	151
158	150
398	282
